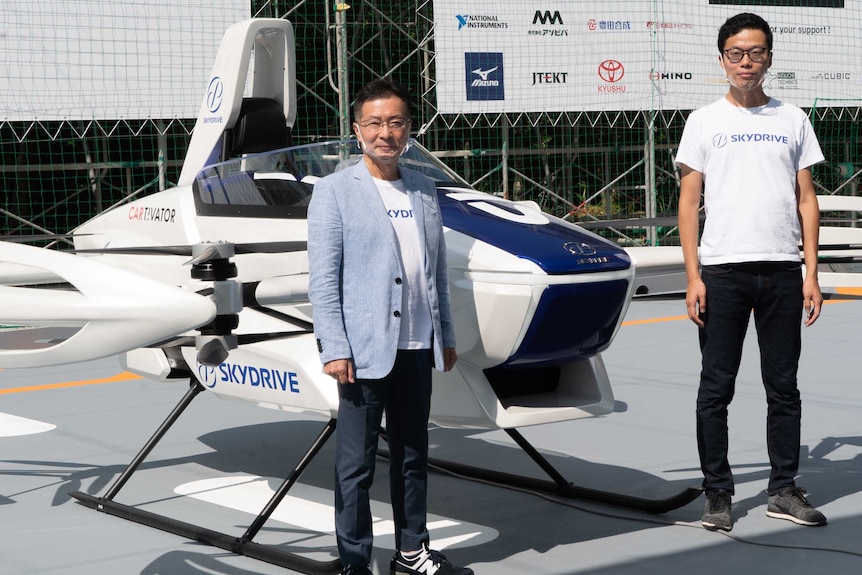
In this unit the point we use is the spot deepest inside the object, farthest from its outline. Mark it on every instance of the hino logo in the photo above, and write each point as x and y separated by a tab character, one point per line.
547	18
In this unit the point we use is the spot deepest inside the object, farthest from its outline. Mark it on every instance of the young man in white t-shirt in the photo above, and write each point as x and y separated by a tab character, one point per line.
751	155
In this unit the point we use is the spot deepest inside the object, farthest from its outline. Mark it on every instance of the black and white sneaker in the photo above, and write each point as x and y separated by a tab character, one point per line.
425	562
716	512
356	570
792	505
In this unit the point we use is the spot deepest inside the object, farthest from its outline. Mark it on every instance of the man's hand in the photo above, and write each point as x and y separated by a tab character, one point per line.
340	369
812	300
449	358
695	300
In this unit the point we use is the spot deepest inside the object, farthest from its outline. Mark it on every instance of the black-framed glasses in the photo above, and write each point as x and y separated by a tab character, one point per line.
395	124
757	55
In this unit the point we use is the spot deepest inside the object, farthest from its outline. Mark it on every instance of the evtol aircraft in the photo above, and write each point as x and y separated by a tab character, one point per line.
206	284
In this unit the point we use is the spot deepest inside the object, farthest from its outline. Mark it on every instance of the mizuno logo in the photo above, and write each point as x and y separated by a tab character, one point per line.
484	73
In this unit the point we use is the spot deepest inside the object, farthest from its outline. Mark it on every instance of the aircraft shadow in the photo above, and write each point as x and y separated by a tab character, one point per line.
523	521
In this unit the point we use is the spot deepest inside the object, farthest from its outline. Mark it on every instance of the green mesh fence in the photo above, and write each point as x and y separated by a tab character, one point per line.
580	163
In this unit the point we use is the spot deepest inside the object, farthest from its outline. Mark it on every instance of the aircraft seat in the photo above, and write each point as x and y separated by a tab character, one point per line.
233	189
261	127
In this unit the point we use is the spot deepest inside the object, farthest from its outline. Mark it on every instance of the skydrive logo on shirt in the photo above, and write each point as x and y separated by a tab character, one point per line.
400	214
720	140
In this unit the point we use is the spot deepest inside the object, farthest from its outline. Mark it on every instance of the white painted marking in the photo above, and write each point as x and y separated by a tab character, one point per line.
12	426
310	509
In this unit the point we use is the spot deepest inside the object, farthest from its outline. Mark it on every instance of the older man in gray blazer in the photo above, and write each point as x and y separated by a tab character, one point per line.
379	287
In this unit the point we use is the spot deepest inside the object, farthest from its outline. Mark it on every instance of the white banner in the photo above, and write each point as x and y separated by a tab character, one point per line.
109	59
635	55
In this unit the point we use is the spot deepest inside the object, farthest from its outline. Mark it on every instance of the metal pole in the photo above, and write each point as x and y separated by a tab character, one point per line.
649	184
163	154
504	124
341	67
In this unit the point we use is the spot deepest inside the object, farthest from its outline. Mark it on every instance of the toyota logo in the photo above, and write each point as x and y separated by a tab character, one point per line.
611	71
579	248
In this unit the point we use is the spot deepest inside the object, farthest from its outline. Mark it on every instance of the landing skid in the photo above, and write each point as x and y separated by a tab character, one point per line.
561	487
244	545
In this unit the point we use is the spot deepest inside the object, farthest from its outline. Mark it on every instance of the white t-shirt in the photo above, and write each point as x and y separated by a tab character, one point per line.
749	158
416	326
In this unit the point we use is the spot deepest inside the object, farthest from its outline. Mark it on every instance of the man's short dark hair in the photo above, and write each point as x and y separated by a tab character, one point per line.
378	89
745	21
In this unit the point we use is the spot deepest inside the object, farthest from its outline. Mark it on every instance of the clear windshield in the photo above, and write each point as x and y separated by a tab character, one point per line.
311	161
285	178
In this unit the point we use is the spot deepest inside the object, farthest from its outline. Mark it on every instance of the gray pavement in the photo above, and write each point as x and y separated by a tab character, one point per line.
70	429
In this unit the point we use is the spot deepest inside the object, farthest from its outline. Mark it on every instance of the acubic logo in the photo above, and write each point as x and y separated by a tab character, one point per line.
719	140
611	71
215	94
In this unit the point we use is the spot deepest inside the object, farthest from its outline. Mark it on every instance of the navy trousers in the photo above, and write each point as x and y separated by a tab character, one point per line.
405	397
774	291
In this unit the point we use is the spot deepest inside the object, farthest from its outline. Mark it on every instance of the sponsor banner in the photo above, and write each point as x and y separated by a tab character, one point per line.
595	55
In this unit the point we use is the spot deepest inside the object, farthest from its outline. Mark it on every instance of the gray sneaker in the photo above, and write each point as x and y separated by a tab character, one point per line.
791	504
716	512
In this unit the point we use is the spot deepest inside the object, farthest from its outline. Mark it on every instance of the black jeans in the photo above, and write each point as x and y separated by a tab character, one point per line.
405	396
774	291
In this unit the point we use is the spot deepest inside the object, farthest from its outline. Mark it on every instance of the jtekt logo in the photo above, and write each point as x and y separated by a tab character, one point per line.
549	77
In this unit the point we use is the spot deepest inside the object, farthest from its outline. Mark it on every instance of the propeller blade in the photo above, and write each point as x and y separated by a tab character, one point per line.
249	338
271	247
23	239
115	309
139	251
242	248
207	254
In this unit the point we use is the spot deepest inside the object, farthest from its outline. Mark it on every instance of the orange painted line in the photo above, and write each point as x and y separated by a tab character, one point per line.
845	291
654	320
124	376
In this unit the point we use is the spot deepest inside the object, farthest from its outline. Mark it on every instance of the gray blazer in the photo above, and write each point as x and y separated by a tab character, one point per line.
355	270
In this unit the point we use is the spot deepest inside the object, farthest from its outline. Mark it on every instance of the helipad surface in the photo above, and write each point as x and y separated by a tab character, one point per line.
75	428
